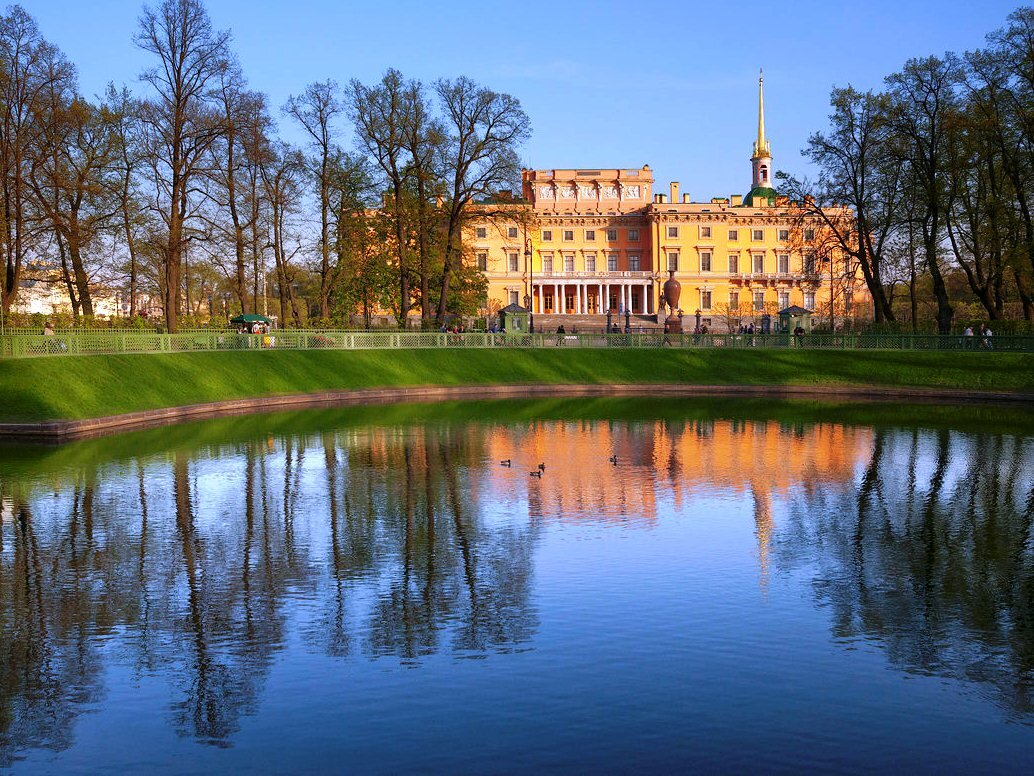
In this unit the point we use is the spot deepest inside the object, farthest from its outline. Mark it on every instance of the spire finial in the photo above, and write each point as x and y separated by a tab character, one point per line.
761	145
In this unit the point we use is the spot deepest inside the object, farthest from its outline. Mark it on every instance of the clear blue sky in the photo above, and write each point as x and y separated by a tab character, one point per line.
606	84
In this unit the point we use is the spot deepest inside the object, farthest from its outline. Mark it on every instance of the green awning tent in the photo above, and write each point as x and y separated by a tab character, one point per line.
242	320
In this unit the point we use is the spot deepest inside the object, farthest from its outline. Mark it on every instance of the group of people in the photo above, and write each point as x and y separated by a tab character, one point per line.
985	336
254	328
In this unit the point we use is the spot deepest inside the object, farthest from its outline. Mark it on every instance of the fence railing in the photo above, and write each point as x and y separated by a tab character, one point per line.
32	345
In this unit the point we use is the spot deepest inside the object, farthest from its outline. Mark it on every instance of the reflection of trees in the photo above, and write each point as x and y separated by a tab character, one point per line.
197	561
932	555
405	519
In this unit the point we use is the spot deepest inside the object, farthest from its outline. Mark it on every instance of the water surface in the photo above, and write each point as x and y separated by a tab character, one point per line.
751	585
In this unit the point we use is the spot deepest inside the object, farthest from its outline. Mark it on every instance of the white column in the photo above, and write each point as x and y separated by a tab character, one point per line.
645	289
600	306
542	307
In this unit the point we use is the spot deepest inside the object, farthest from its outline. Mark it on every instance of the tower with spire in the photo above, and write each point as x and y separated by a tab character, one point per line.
761	159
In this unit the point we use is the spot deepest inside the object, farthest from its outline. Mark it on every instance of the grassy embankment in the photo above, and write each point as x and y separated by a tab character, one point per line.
77	387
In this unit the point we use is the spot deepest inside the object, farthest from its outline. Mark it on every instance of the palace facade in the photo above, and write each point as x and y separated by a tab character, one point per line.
584	242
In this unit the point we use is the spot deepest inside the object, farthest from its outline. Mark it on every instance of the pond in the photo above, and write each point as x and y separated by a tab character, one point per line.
735	585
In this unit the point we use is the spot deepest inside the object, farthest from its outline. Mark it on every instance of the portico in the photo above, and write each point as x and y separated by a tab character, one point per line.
593	295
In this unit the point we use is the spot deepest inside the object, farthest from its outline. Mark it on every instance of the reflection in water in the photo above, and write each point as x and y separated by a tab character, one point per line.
931	553
200	565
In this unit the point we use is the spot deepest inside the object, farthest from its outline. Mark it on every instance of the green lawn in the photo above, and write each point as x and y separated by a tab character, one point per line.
75	387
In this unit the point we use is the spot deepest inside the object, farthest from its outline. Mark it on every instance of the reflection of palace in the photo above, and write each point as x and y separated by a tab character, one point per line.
679	457
582	242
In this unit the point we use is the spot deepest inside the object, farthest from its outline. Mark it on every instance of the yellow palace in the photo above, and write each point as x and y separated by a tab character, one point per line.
585	242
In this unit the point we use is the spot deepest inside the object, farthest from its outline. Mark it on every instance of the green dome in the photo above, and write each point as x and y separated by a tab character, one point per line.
759	191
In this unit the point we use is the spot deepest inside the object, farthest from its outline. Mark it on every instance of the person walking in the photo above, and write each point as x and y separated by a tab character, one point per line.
985	336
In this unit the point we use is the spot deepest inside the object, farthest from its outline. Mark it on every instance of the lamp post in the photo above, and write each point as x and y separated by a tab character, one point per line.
531	285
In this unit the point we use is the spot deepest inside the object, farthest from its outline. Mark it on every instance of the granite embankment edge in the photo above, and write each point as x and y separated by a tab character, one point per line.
67	430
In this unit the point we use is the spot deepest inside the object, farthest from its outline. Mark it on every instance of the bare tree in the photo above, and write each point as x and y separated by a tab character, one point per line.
123	115
423	137
181	124
70	180
32	69
923	96
282	178
485	129
315	110
857	168
383	115
236	192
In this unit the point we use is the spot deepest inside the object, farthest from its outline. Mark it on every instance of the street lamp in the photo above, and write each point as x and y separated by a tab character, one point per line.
531	286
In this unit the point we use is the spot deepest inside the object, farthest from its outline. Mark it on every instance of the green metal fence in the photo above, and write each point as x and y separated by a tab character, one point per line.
95	343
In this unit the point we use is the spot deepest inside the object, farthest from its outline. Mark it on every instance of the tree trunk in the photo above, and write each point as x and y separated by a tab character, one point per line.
1026	296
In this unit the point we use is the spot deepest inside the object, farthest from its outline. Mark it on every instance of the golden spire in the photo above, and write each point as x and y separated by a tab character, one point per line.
761	145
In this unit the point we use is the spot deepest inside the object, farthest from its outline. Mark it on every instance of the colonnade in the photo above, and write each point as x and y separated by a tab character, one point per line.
581	295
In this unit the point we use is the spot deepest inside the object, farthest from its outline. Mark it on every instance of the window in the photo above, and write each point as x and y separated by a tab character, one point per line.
784	235
511	261
612	235
482	232
759	262
590	235
759	300
514	298
809	264
734	235
848	300
705	300
809	235
633	235
547	263
758	235
705	262
482	261
590	263
673	261
612	262
568	263
734	301
569	235
734	263
784	300
705	233
511	232
547	235
809	300
673	231
633	263
784	263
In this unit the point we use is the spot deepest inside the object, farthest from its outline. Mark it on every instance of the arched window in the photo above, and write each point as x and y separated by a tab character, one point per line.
764	174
